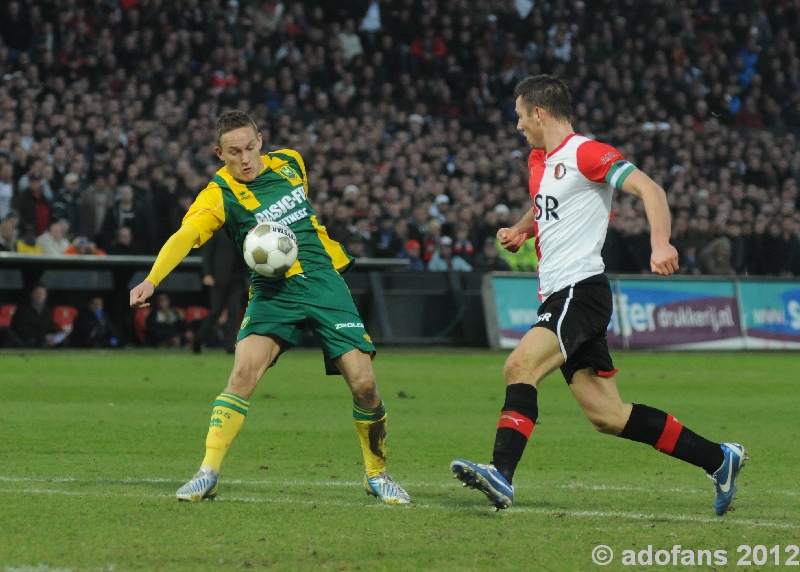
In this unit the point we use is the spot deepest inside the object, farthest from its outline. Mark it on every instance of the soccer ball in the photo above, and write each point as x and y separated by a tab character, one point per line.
270	249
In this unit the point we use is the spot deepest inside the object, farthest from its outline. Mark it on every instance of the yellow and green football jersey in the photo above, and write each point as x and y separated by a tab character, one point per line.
278	194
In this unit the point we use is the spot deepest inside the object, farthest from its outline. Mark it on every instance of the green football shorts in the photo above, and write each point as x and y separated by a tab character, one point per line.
320	300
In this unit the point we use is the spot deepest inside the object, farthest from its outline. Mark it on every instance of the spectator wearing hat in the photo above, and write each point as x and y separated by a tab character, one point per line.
503	214
412	253
440	207
444	259
387	243
67	202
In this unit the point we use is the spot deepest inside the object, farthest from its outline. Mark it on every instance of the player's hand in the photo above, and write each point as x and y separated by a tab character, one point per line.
208	280
510	239
664	259
141	293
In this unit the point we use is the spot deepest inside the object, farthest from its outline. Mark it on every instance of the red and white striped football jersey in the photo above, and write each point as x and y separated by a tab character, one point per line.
571	189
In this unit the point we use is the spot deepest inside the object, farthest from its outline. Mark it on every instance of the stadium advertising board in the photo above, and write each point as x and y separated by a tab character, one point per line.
679	314
664	314
771	312
510	304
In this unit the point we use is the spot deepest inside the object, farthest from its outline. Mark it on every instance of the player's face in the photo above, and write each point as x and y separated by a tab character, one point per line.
529	124
241	151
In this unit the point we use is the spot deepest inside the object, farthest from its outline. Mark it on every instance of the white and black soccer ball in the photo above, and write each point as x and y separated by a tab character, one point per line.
270	249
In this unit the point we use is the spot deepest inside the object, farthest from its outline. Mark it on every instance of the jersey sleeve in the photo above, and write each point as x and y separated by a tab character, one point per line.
601	163
207	213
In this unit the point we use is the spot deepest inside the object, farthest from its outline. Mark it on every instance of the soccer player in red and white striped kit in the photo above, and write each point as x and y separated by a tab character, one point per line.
571	182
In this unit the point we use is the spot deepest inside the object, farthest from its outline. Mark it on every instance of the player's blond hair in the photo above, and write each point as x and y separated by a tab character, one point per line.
548	92
233	119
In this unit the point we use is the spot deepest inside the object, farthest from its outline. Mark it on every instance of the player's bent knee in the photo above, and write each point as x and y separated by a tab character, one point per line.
244	377
517	369
514	370
364	386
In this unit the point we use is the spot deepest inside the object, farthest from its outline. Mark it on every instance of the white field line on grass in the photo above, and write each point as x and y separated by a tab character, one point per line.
666	490
428	506
301	483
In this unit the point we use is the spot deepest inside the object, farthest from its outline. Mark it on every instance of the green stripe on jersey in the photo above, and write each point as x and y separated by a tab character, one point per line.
618	172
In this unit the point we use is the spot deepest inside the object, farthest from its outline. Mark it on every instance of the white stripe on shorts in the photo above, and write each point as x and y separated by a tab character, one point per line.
561	319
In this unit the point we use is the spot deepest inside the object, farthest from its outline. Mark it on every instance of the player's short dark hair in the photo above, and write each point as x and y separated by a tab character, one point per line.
548	92
233	119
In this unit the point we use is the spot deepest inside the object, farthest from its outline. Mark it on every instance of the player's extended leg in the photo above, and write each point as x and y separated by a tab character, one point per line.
370	420
253	355
599	398
536	356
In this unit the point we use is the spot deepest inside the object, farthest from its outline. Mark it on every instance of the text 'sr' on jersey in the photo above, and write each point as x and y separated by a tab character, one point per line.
278	194
571	189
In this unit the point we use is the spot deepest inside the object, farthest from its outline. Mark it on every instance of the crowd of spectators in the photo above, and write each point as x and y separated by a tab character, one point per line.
404	113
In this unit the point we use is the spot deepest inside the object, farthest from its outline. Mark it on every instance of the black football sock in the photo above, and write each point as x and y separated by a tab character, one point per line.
668	435
517	420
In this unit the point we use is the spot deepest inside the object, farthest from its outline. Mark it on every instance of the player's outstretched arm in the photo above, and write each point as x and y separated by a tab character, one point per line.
664	257
174	250
513	238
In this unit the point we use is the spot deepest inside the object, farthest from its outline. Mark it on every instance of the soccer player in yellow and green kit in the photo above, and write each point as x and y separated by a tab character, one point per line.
252	188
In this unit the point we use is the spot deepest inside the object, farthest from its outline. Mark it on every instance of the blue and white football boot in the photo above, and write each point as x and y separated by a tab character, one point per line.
385	488
203	485
725	477
485	478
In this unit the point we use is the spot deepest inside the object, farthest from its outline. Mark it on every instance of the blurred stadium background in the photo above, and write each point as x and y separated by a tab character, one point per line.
403	110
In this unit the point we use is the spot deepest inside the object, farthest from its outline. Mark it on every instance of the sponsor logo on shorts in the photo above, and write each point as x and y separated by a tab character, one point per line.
544	317
349	325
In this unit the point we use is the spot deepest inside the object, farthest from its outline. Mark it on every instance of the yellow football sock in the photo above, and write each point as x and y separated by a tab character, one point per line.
371	429
226	420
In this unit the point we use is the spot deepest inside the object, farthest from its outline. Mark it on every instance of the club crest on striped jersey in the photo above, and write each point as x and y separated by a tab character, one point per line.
559	171
289	174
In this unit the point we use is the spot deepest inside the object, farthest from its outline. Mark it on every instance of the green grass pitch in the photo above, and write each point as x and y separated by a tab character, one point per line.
94	445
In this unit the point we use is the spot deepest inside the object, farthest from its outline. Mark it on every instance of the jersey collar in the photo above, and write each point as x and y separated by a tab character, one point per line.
557	149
